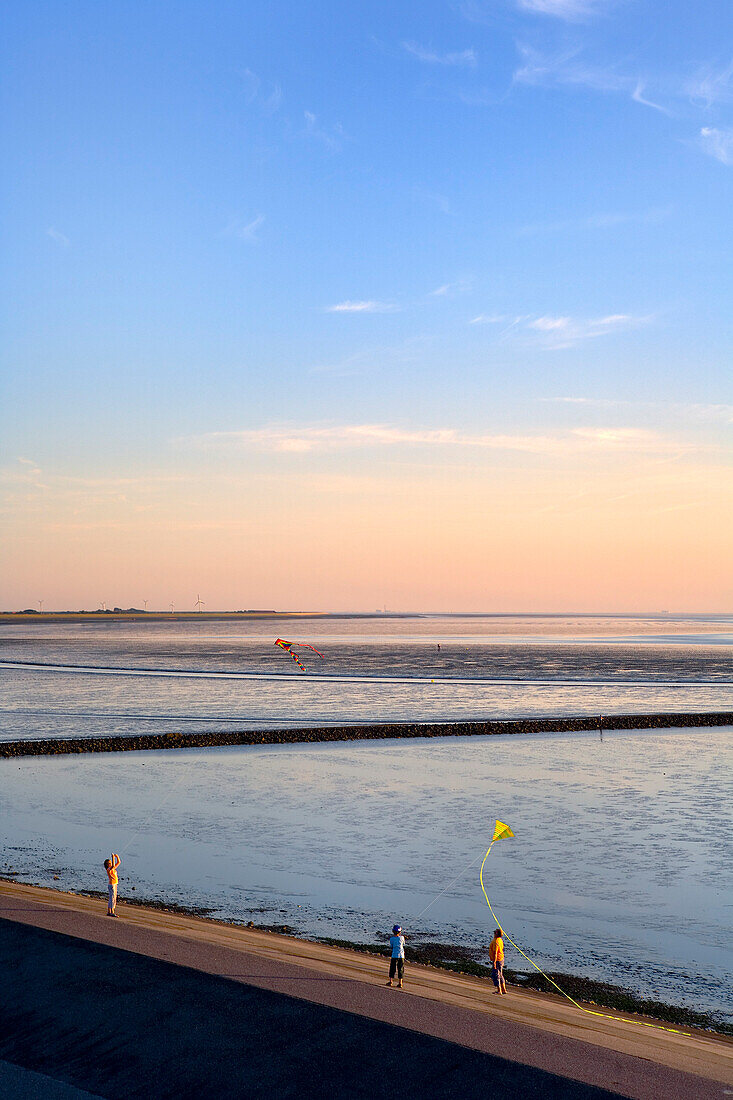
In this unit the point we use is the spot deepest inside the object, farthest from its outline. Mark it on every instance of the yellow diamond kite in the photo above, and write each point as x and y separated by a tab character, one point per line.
501	831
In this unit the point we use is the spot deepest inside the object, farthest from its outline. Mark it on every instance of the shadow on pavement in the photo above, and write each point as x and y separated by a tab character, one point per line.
119	1024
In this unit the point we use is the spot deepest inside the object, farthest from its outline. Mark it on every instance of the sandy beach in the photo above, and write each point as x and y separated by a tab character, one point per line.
156	1003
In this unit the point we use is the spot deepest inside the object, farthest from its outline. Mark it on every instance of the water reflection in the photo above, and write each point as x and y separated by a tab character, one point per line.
618	868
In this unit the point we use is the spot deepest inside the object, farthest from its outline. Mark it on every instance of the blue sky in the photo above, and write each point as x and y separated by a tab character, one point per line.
265	247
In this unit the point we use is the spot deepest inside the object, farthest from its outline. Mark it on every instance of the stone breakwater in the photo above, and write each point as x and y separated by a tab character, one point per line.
178	740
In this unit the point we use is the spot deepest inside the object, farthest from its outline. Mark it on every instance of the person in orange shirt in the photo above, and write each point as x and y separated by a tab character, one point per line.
496	954
110	866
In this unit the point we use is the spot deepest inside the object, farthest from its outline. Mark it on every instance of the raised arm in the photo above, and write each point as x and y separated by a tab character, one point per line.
116	861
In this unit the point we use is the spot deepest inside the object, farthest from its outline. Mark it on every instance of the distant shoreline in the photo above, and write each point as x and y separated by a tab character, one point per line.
61	746
136	615
152	616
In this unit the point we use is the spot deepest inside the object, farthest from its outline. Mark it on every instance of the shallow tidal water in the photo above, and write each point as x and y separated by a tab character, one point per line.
621	868
100	678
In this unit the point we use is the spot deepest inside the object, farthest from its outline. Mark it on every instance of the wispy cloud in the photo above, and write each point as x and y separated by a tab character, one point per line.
565	332
638	95
509	325
435	200
380	357
558	332
60	238
246	231
569	11
370	306
24	484
572	11
717	143
710	86
494	319
599	221
450	290
26	476
267	97
330	137
304	439
697	410
466	58
568	69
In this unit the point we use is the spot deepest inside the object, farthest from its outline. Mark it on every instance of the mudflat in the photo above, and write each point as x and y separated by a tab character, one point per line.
157	1003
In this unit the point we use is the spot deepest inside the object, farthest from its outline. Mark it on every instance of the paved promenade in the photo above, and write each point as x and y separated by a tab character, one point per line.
154	1004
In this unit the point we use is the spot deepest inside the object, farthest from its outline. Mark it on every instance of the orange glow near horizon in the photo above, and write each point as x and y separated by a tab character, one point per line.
592	532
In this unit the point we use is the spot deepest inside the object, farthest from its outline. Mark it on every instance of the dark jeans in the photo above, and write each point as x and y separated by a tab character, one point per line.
396	965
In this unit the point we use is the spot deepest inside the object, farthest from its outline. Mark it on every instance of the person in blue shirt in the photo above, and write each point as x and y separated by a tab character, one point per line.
397	962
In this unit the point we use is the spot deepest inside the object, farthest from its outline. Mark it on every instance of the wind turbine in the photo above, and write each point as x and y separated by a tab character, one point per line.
40	606
172	607
146	604
199	603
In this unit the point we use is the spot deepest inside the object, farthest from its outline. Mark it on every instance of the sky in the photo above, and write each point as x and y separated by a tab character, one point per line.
338	306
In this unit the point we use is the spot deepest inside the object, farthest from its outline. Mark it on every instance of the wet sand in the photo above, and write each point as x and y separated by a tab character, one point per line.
156	1003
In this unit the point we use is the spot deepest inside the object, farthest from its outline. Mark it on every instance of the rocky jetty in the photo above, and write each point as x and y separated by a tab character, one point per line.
208	739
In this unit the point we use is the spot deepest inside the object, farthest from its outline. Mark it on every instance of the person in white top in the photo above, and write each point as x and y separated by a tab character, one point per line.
397	962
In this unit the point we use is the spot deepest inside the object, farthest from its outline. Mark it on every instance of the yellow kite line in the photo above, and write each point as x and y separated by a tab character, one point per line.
503	832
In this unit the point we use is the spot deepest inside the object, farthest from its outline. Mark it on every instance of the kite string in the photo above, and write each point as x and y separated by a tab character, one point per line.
589	1011
158	806
459	875
519	949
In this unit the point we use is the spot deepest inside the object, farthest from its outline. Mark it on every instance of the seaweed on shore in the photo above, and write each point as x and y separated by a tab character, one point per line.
606	995
464	960
152	903
278	929
459	959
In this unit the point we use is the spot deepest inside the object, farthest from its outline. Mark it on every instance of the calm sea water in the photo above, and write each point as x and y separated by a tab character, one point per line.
97	679
621	868
622	863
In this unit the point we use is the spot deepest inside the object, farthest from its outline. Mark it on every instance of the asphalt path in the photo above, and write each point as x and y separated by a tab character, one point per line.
155	1004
